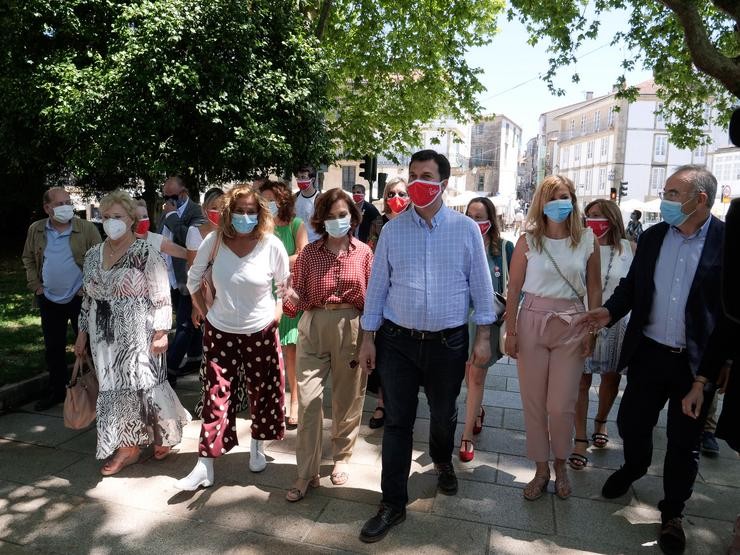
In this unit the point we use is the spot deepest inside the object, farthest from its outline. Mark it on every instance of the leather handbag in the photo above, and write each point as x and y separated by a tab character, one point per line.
207	287
82	396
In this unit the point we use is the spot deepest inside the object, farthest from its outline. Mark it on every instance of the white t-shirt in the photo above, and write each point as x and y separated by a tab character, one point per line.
542	278
304	210
155	240
244	302
193	239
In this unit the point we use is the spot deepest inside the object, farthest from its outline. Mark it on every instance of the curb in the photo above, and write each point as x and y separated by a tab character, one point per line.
16	394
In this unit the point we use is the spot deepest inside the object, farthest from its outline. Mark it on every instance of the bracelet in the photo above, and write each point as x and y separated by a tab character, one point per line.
701	379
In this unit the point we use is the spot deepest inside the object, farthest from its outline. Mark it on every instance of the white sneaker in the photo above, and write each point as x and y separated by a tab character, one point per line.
201	475
257	460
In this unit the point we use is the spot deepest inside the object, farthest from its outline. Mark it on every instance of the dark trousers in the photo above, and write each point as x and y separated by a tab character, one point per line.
655	376
405	363
55	320
188	339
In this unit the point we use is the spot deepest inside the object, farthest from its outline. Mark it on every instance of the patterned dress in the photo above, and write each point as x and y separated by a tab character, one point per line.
289	326
122	309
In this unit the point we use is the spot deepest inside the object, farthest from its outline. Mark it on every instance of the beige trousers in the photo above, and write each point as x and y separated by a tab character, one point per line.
550	366
327	345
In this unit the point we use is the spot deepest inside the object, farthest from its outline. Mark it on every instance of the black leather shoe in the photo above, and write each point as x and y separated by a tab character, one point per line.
45	403
618	484
672	540
377	527
447	481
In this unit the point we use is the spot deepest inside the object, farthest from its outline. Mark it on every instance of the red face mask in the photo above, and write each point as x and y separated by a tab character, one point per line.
214	216
143	226
398	204
358	197
304	184
484	226
423	193
599	225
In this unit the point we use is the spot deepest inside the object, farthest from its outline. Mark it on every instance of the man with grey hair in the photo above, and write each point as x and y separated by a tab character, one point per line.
53	257
673	291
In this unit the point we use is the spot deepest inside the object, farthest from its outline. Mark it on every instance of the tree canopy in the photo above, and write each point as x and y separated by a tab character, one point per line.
692	47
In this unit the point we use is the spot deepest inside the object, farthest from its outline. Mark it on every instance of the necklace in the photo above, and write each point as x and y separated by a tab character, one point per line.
114	253
609	268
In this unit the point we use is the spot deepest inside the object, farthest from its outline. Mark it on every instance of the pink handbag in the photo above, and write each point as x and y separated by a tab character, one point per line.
207	288
82	396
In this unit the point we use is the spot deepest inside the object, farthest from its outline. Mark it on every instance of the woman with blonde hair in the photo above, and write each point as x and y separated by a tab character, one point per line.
555	264
616	252
126	313
241	346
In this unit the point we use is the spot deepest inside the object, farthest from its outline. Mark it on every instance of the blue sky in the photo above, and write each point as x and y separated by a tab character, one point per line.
509	61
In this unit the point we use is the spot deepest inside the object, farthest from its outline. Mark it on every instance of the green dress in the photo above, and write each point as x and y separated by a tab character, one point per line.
288	327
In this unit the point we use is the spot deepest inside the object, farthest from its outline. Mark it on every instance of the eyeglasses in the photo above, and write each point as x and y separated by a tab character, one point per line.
671	195
400	194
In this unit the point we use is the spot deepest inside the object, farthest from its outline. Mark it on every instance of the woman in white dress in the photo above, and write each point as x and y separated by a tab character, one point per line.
605	220
126	314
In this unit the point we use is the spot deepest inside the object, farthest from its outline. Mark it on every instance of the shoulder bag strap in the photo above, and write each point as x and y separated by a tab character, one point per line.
76	370
505	267
557	268
214	250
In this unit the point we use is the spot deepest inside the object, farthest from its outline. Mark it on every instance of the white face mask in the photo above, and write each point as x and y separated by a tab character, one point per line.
114	228
64	213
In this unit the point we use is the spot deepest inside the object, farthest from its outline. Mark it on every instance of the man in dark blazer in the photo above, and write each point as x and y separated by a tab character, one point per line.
673	291
368	211
178	214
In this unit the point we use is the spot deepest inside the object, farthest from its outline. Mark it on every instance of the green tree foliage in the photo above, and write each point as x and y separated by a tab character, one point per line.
692	47
397	64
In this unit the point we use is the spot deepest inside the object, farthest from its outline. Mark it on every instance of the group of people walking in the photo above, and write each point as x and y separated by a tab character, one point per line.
317	288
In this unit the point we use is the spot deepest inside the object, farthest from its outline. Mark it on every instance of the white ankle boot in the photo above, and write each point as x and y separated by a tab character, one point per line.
257	460
201	475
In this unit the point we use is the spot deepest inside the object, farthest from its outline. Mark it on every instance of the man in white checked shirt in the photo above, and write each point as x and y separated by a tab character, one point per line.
429	264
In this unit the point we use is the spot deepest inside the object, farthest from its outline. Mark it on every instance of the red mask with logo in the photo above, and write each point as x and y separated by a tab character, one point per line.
143	226
358	197
484	226
423	193
599	226
398	204
214	216
304	184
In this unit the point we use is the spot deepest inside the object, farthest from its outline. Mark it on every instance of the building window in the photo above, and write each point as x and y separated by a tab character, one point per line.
577	179
610	117
481	183
479	128
590	150
602	180
658	116
657	178
506	152
604	145
700	151
477	155
661	146
583	123
589	181
597	121
348	177
572	128
577	153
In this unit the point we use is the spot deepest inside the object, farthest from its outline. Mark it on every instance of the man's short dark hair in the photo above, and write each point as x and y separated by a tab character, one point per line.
637	213
443	164
359	186
305	168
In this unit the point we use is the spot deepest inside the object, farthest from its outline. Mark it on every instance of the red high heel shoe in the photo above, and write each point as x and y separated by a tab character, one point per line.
476	427
467	450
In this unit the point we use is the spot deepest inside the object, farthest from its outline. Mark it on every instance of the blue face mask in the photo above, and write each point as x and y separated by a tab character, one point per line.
273	207
558	210
672	212
244	223
339	227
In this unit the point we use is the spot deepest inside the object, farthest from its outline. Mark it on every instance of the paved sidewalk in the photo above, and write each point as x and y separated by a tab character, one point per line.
53	499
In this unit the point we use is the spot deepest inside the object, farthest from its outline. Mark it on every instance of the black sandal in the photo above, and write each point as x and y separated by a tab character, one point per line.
577	461
376	423
599	439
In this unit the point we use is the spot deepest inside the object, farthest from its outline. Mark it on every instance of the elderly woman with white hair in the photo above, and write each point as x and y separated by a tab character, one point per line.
126	314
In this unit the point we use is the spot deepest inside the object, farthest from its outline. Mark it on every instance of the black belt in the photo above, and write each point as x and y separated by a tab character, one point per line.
666	348
421	334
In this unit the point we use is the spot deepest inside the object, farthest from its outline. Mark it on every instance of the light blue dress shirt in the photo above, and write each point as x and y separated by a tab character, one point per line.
424	278
674	273
60	274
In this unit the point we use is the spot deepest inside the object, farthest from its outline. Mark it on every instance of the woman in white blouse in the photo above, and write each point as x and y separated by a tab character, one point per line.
555	264
241	345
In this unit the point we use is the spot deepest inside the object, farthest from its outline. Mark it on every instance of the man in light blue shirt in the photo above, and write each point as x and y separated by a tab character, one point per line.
53	257
429	264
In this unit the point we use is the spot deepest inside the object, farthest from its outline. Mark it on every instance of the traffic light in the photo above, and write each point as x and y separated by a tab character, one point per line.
369	168
623	189
382	178
613	193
